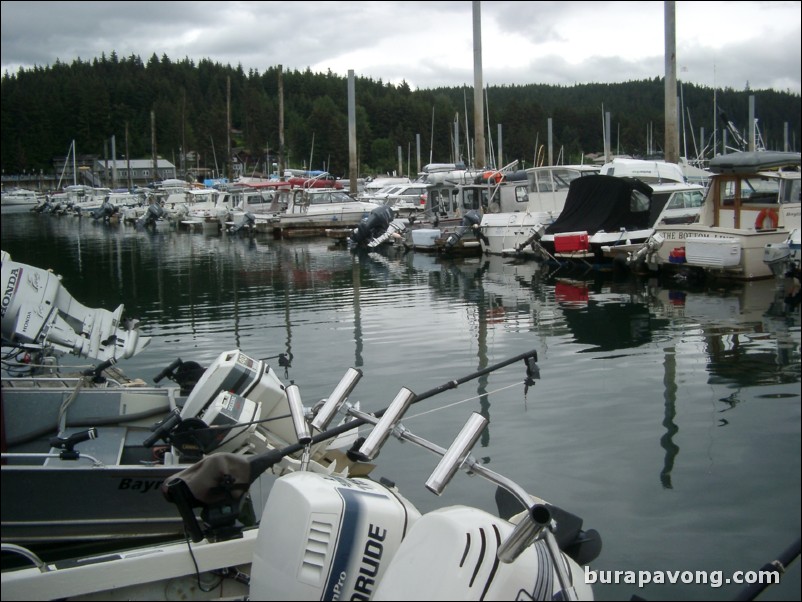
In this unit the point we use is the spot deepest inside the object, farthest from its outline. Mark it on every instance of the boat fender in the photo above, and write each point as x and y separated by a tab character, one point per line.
771	215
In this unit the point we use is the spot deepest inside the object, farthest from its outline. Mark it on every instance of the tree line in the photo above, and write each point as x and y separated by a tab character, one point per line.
45	108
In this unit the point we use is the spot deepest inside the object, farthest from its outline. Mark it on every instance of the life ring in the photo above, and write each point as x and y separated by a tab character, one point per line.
771	214
492	176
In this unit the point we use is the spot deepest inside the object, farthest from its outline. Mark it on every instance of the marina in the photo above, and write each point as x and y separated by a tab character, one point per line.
666	414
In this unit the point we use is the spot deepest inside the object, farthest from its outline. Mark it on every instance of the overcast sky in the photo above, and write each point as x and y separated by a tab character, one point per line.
427	44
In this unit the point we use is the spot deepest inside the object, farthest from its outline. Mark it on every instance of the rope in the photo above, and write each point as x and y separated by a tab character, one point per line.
456	403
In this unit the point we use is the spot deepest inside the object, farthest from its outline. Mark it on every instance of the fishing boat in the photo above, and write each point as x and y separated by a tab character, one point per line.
84	452
753	201
325	536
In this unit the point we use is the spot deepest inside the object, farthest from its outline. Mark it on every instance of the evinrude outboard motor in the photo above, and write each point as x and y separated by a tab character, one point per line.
470	221
153	213
375	224
38	312
248	221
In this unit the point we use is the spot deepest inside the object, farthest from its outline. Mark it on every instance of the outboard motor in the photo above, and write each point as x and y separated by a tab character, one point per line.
470	221
154	212
38	312
248	221
375	224
105	211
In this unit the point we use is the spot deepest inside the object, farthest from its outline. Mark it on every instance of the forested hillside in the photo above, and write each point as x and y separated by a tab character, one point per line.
45	108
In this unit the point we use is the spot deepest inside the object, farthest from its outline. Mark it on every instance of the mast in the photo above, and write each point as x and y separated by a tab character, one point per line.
478	103
671	136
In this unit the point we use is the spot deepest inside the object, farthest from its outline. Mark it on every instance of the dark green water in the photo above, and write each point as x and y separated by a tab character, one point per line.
667	417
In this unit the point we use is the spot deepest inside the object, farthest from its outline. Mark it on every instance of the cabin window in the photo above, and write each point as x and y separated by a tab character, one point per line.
759	190
521	195
790	192
638	202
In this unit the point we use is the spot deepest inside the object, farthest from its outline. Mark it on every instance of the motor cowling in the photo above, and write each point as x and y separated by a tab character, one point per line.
375	224
327	538
451	554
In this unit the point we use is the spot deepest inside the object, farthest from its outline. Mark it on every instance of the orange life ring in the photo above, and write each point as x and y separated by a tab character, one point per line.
494	176
771	214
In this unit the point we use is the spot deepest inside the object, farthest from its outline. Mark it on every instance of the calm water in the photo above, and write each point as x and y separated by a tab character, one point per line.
667	417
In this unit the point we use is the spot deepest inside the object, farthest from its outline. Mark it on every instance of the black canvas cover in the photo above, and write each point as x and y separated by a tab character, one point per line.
601	202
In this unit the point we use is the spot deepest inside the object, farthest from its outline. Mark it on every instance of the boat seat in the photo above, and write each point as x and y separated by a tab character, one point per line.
107	447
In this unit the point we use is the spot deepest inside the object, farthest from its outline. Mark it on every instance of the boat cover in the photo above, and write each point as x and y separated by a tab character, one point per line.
604	203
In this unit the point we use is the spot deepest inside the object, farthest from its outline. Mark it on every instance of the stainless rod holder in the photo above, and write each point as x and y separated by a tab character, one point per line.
456	454
335	400
373	442
297	415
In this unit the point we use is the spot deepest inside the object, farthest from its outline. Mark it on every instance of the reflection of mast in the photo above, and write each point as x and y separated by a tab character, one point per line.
670	397
355	276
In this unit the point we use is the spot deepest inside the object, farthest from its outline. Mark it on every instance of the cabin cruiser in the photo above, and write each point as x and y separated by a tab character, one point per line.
753	200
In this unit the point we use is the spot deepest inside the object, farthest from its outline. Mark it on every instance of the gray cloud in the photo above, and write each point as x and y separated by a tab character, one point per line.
427	44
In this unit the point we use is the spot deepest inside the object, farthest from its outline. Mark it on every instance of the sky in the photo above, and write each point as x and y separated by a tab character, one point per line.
427	44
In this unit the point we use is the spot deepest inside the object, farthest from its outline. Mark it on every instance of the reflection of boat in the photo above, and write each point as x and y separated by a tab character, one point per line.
331	537
753	201
606	318
734	321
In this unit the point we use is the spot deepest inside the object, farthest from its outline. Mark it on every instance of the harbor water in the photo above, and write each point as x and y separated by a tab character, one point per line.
666	414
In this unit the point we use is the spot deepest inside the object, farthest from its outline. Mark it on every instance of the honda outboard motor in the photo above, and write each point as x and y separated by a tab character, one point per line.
375	224
38	312
470	221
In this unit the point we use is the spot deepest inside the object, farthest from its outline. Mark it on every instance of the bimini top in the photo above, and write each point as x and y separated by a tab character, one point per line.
753	162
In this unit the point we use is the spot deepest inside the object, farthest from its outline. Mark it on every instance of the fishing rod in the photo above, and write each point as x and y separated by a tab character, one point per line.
775	567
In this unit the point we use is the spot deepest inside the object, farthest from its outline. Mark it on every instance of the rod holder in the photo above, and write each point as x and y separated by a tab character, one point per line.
456	454
530	528
297	414
377	437
338	396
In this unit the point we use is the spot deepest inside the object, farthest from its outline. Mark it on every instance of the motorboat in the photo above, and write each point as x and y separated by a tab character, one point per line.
449	222
526	204
20	197
753	201
312	211
605	217
329	537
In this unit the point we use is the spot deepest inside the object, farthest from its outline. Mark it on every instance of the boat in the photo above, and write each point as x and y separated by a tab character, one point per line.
753	201
84	452
604	220
209	209
20	197
329	537
453	205
312	211
527	204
